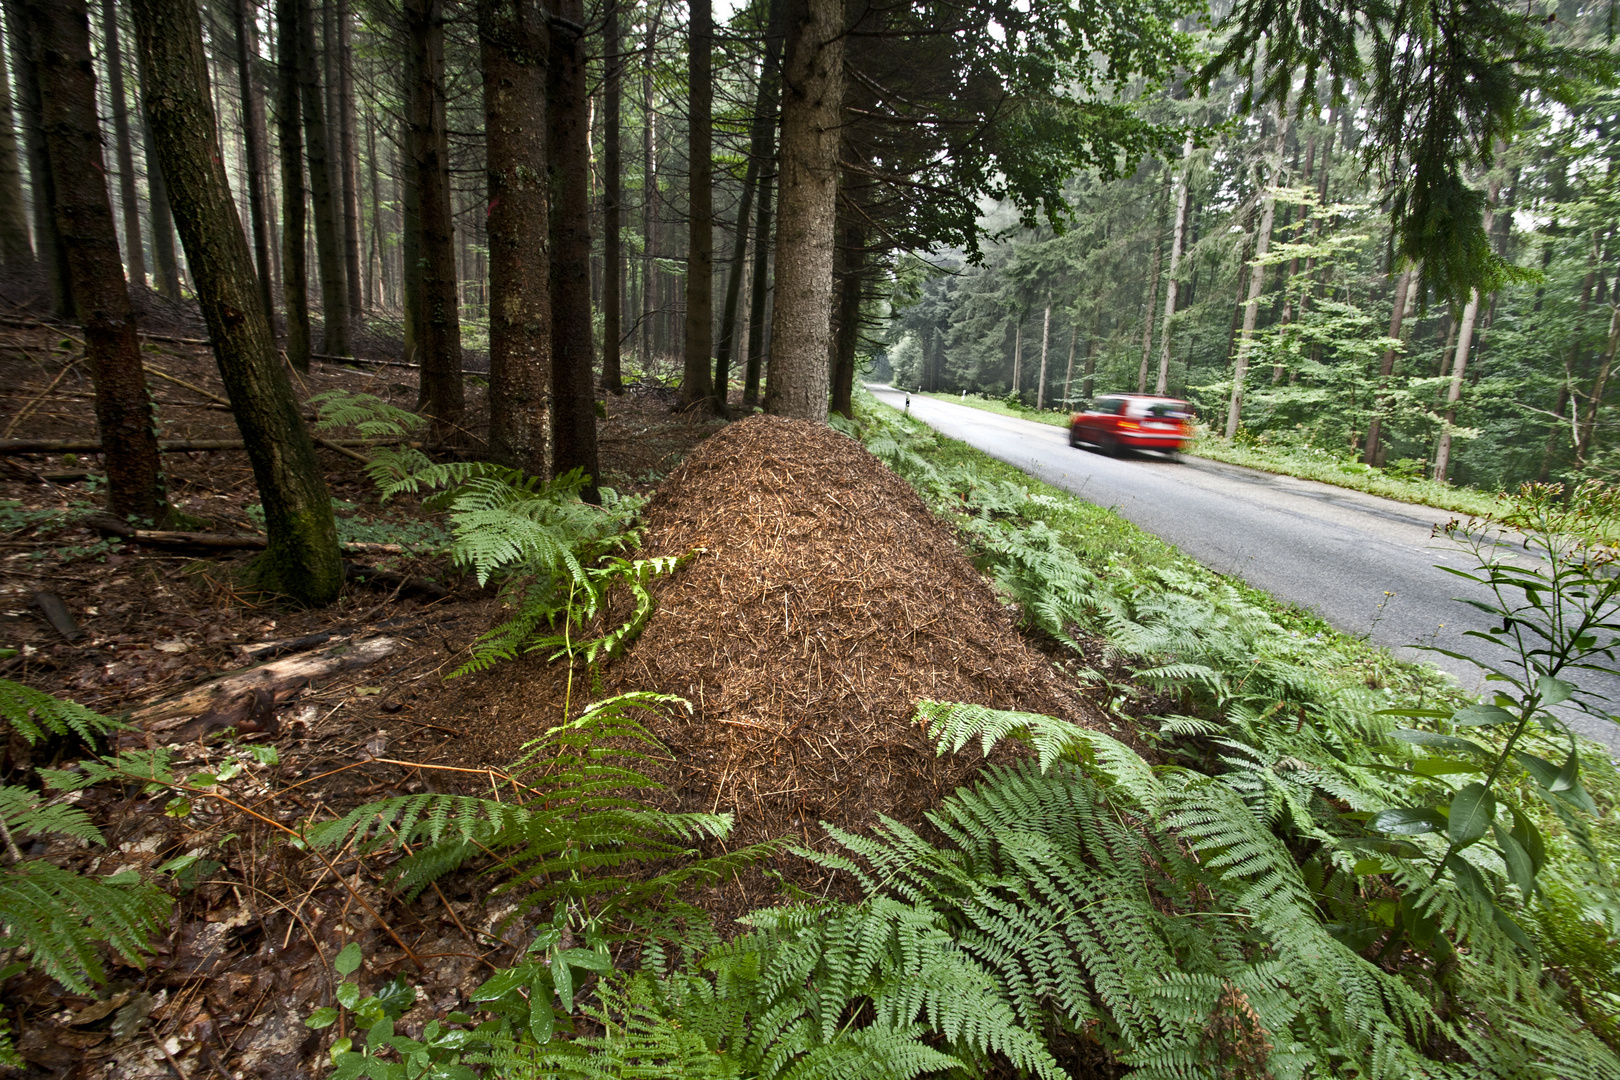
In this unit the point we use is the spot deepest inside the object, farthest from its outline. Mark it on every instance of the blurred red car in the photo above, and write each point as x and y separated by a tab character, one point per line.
1133	421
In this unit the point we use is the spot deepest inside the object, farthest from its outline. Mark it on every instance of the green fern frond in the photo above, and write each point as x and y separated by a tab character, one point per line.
58	918
368	415
25	814
33	714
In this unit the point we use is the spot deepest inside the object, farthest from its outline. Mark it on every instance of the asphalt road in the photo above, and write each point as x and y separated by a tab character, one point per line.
1329	549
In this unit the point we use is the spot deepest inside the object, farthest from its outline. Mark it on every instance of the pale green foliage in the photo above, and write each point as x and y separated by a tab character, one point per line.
575	820
58	918
368	415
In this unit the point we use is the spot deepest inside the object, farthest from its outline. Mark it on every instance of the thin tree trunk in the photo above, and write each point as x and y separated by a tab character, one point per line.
1586	433
1386	366
59	30
302	557
348	157
697	384
1171	287
1046	341
567	121
289	133
377	262
1018	358
48	249
16	250
323	197
1257	281
134	250
796	383
514	41
1153	292
441	395
1459	368
649	196
1088	375
165	260
759	146
1068	378
258	153
612	202
851	288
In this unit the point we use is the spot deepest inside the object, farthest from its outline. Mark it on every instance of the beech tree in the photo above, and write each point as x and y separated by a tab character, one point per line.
301	558
58	32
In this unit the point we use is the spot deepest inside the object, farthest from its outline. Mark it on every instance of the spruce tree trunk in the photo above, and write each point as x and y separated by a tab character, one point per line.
1017	358
649	196
760	278
612	202
59	30
16	250
851	291
1153	293
1046	343
697	385
1088	375
759	142
796	383
258	148
323	199
1177	235
134	250
49	253
302	557
348	158
165	260
568	128
1386	367
441	395
514	41
289	132
1586	432
1068	378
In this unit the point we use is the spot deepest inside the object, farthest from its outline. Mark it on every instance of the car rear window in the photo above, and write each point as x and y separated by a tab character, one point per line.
1108	406
1160	410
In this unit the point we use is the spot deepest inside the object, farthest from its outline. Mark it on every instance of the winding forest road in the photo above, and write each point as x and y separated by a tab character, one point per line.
1329	549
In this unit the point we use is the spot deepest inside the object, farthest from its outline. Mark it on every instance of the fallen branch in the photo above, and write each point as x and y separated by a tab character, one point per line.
168	446
113	525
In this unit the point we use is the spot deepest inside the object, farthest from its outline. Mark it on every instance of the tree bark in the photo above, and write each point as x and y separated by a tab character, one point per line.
796	383
1068	378
258	148
16	250
1088	374
760	287
697	385
49	253
515	40
1172	287
1153	293
302	557
1586	432
851	291
568	127
1046	343
759	146
348	157
649	195
441	395
1386	366
612	202
59	31
289	132
323	200
134	250
1017	358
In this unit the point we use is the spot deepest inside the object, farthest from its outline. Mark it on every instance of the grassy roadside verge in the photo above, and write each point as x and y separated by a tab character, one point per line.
1315	464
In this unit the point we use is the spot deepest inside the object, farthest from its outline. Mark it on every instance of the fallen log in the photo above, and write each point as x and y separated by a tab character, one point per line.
167	446
252	694
112	525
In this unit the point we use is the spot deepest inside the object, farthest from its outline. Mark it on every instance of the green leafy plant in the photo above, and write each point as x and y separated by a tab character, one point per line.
58	918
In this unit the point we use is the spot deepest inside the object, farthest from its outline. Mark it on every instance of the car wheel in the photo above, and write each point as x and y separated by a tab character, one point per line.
1074	438
1109	445
1174	456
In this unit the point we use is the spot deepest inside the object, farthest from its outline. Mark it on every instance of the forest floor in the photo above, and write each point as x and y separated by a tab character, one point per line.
824	601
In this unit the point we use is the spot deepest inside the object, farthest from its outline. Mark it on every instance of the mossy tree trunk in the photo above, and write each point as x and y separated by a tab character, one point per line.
514	40
59	31
302	558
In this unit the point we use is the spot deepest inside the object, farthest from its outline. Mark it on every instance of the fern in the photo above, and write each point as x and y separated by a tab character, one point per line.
34	714
576	822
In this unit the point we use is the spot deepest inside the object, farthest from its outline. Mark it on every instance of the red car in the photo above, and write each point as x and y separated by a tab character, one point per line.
1134	421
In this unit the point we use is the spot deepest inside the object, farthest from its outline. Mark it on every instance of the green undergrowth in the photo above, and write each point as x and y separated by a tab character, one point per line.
1004	407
